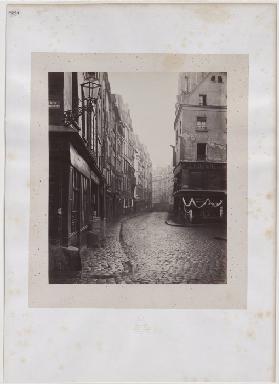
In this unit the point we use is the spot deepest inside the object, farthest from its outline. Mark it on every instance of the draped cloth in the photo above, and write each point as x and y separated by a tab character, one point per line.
206	203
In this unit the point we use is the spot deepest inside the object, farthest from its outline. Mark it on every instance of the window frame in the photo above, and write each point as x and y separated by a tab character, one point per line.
201	123
202	99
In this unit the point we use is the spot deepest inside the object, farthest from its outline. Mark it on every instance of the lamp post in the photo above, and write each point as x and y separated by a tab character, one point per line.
89	91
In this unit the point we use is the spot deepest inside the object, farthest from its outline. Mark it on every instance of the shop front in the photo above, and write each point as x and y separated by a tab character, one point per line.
74	197
200	192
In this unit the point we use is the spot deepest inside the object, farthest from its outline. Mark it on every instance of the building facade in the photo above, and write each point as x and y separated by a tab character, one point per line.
91	160
162	188
76	144
200	151
143	174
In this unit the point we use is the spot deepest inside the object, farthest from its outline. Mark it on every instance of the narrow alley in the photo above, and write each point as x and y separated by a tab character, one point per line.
143	249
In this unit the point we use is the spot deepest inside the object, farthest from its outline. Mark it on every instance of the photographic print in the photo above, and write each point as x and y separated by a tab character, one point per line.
133	245
137	177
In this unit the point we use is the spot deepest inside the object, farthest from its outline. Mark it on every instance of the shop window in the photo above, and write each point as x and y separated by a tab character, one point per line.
55	201
75	200
201	123
84	201
201	151
80	201
94	199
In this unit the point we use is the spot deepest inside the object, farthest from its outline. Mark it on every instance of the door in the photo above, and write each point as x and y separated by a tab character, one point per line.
201	151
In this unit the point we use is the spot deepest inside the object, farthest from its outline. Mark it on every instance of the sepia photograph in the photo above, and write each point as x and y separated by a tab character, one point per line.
139	198
137	177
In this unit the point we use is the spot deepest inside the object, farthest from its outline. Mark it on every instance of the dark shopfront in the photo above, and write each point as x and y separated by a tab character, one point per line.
200	191
75	197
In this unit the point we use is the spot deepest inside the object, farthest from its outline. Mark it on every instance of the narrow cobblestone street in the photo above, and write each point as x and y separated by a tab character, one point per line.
161	253
143	249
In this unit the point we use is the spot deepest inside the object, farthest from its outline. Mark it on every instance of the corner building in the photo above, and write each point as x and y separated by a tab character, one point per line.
77	124
200	153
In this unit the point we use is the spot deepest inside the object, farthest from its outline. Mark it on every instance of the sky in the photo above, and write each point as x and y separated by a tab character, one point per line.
151	98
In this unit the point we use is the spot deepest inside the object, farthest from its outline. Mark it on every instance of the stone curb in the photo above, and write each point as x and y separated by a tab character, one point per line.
173	224
185	225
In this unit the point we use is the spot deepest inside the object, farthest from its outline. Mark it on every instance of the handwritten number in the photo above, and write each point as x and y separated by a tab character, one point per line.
13	13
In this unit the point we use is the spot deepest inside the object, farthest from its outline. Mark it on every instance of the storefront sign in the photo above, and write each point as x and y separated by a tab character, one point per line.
203	165
94	177
54	104
79	163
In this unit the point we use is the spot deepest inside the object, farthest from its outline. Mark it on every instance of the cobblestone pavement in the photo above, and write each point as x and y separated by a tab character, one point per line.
106	265
144	249
166	254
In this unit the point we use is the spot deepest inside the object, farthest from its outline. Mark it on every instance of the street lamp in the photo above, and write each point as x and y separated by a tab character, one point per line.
90	93
92	84
93	88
